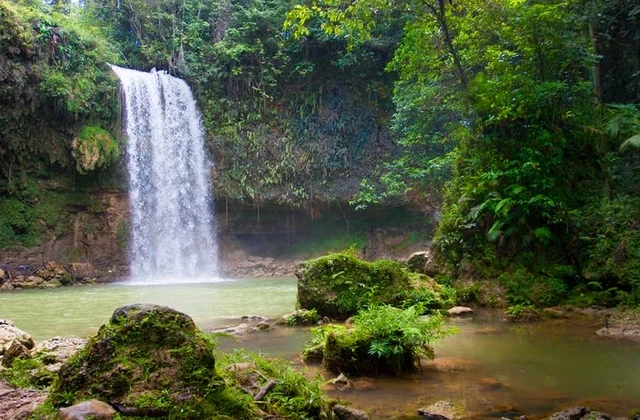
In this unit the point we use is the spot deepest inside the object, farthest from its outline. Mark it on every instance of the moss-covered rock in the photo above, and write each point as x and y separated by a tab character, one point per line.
382	340
152	361
338	285
299	317
148	360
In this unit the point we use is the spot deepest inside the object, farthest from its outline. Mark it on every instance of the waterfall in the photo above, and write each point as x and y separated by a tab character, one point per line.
172	225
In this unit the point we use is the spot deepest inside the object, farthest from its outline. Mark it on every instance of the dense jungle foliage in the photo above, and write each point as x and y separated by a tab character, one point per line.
518	119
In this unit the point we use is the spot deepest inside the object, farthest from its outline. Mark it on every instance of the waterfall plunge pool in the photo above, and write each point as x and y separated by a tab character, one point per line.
490	368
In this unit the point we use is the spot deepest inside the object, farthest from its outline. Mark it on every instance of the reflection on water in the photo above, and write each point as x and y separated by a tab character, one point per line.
491	368
81	310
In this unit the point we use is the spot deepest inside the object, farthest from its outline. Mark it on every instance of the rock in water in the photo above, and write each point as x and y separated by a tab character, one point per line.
94	410
348	413
442	410
339	285
147	360
460	311
573	413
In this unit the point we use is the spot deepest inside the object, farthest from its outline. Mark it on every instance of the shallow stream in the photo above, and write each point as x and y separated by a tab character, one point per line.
491	368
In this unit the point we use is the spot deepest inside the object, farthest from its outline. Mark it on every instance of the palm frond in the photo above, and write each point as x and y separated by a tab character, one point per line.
633	141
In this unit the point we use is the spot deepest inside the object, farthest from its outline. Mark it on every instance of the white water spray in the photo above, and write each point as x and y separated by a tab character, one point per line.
172	225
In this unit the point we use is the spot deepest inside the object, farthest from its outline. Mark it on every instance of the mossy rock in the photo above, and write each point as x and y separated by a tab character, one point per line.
346	352
338	285
148	359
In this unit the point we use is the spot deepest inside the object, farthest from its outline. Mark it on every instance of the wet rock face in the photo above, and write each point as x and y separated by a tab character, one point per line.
148	358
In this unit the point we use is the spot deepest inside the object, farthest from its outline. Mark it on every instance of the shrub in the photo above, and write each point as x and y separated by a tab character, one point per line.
294	396
527	288
383	340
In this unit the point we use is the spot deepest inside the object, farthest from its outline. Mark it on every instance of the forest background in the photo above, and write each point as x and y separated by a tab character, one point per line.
514	124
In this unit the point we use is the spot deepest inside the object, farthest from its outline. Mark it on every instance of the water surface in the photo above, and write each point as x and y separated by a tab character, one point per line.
81	310
490	368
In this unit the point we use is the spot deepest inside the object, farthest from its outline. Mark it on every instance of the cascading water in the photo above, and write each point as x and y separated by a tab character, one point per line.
172	225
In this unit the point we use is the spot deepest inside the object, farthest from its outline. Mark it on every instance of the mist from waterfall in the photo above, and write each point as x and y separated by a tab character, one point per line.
172	225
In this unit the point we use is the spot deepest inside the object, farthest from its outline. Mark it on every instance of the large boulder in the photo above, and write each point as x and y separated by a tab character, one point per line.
54	272
148	360
338	285
83	271
10	333
423	262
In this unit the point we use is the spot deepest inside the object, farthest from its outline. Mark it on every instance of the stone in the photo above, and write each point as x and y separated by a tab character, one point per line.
299	317
235	330
14	351
1	274
53	284
57	350
423	262
93	409
145	352
9	333
573	413
341	379
262	326
16	403
54	271
596	415
442	410
460	311
348	413
82	271
254	318
24	413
